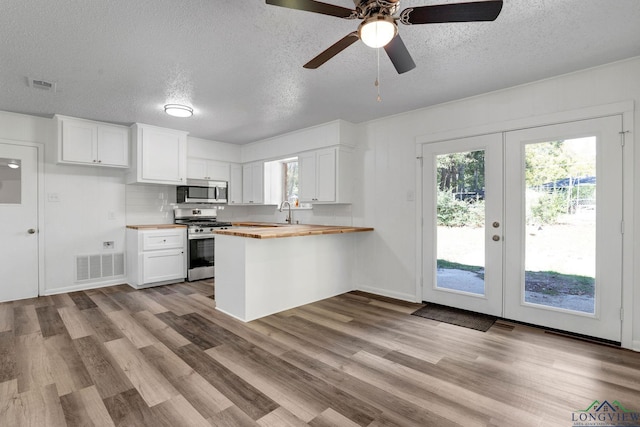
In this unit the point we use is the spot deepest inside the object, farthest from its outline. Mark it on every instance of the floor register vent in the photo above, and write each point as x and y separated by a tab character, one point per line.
98	266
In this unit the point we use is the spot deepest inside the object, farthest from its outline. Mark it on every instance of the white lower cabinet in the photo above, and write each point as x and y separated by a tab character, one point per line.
159	266
156	256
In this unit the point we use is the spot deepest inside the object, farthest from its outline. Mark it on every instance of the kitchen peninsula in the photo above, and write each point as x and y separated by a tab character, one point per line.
263	268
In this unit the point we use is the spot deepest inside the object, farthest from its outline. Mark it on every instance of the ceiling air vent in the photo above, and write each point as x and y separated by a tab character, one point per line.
42	84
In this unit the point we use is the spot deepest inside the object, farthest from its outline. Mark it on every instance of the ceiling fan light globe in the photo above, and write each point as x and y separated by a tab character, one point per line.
377	31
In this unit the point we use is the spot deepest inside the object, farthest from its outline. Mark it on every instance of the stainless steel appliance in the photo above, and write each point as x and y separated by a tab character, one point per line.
200	240
202	191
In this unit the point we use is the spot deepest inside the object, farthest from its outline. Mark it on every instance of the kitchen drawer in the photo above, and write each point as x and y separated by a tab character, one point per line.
162	239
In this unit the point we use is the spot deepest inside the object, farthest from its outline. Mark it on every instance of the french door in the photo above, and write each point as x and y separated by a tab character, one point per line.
527	225
462	216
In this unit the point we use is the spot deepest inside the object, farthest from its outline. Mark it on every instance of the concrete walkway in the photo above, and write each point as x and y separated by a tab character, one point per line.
467	281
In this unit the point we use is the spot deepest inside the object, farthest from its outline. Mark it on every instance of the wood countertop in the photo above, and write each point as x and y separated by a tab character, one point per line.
155	226
265	230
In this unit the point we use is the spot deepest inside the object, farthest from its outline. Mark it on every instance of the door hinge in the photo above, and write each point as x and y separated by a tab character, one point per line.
420	158
621	314
621	227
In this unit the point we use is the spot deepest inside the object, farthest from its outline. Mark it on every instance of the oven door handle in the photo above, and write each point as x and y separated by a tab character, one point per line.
201	236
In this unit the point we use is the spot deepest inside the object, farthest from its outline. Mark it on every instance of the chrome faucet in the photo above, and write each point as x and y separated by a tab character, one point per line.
289	218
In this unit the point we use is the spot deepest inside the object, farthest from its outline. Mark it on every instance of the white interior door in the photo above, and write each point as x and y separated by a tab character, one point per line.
19	222
564	226
462	217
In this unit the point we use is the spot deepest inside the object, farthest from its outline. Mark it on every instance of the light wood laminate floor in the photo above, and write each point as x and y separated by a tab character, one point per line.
164	357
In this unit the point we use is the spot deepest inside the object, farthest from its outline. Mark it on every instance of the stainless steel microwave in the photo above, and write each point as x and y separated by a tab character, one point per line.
201	191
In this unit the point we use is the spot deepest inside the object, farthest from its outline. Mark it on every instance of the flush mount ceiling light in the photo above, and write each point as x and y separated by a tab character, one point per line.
178	110
377	31
13	164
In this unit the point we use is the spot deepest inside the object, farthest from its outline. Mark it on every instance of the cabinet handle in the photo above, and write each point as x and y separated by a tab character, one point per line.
99	161
94	160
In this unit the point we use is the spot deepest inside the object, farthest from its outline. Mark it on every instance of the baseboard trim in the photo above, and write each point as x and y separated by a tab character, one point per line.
636	346
85	286
387	293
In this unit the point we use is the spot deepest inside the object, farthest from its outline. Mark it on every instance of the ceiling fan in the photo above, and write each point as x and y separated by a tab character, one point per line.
379	23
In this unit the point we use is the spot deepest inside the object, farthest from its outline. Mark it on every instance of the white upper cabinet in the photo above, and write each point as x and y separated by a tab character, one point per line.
253	183
94	143
207	169
235	184
325	176
159	155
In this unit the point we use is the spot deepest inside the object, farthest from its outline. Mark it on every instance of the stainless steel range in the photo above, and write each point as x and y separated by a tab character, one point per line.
201	223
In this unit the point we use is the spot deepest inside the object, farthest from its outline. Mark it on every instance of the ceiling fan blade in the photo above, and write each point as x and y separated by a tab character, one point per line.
399	55
314	6
333	50
454	12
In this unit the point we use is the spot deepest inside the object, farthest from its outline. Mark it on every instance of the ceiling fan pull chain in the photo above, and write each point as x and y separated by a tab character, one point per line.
377	83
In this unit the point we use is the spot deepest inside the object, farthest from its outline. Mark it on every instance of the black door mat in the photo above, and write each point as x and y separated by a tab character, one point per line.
456	316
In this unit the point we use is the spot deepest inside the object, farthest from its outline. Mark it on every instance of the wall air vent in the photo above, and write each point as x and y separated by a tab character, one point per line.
41	84
98	266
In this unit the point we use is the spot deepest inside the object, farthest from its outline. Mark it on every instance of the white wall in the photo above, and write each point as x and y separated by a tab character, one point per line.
93	204
387	259
90	207
197	147
324	135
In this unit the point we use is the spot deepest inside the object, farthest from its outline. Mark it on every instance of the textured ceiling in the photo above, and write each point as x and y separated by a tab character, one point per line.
239	63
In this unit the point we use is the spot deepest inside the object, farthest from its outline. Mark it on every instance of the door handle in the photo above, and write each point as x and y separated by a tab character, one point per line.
31	230
495	237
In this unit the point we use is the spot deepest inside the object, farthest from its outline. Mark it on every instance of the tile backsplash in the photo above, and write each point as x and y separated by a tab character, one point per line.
150	204
320	214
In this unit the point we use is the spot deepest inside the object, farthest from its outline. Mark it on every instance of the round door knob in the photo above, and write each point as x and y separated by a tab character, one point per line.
31	230
496	224
495	237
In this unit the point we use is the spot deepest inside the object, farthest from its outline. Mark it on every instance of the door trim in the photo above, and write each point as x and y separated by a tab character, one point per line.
624	108
40	167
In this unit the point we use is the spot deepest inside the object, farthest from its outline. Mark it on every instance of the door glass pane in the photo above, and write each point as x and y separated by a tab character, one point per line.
460	210
560	240
10	181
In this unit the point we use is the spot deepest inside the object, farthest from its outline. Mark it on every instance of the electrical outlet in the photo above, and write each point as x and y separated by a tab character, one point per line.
107	245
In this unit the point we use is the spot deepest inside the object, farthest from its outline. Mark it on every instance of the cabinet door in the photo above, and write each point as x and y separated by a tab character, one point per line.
196	169
257	175
235	184
217	171
162	156
307	176
159	266
113	146
247	184
79	141
326	175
